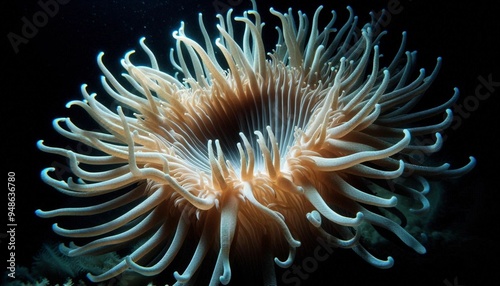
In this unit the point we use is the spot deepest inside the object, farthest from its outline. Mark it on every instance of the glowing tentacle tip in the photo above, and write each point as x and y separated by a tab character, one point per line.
314	218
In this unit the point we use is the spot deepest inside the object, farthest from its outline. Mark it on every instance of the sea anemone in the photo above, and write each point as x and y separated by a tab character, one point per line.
248	153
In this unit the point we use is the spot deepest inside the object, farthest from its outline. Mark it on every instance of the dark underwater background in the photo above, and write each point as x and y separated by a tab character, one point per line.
46	72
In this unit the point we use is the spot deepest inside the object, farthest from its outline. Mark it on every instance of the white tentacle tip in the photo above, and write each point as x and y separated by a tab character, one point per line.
225	277
314	218
40	213
389	262
359	217
181	278
393	201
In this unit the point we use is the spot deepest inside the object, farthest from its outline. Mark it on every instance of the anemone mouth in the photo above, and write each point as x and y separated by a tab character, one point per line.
273	149
247	118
